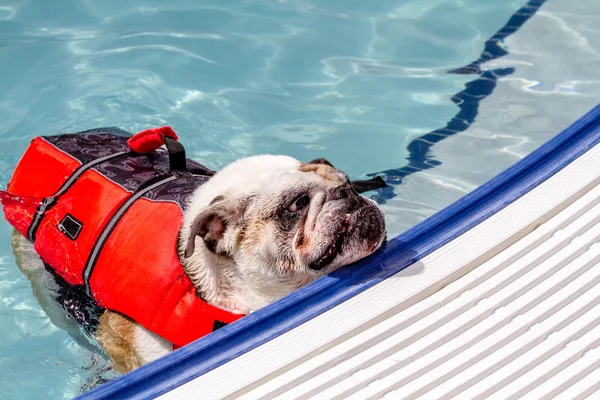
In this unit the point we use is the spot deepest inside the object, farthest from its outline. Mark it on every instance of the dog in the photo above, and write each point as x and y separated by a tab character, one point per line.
257	230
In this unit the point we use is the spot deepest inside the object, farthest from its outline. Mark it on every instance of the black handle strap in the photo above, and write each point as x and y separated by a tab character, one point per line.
177	160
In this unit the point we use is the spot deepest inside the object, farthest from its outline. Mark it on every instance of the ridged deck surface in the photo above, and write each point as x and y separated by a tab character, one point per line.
526	322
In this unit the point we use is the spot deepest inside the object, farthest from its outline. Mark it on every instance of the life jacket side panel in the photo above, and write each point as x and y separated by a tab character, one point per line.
183	322
139	263
42	170
91	200
39	174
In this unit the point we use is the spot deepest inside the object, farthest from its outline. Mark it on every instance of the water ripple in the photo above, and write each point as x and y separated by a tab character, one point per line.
353	81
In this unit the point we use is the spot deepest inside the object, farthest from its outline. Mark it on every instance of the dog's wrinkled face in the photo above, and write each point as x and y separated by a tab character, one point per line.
325	224
277	217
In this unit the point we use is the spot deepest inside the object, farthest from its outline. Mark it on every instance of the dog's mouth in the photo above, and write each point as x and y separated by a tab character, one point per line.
335	248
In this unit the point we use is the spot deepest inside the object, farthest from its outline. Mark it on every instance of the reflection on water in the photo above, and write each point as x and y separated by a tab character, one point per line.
352	81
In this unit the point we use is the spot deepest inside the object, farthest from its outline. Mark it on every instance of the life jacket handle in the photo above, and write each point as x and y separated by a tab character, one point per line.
148	141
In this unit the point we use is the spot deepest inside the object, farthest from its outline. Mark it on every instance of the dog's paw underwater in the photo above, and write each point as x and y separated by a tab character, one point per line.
142	228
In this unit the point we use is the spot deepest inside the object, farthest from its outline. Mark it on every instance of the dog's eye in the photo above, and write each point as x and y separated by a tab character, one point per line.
300	203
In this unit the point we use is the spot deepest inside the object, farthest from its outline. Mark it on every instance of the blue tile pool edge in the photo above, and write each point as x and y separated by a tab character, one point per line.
229	342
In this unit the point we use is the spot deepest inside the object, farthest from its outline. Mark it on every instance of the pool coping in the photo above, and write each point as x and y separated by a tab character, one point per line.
304	304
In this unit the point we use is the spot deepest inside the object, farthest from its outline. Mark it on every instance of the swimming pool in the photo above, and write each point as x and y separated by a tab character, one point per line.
354	82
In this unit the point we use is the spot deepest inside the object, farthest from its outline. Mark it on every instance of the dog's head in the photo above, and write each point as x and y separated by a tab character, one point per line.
278	222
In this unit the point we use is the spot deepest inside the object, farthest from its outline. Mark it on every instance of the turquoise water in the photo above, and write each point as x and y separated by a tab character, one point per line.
349	80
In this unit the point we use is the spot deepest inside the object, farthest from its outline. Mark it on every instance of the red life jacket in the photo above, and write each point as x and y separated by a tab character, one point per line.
104	210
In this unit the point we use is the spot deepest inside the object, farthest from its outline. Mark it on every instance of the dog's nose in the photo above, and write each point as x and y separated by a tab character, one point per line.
341	192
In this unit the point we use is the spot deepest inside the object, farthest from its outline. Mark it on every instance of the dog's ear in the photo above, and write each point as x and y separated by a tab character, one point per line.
212	224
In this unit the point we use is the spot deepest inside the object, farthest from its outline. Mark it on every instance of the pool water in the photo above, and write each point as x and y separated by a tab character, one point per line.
363	84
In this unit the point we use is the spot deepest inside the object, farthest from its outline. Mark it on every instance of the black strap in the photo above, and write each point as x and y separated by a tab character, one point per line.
369	184
176	151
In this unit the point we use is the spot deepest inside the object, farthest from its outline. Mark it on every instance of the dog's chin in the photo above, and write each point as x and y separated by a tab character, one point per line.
356	235
334	249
